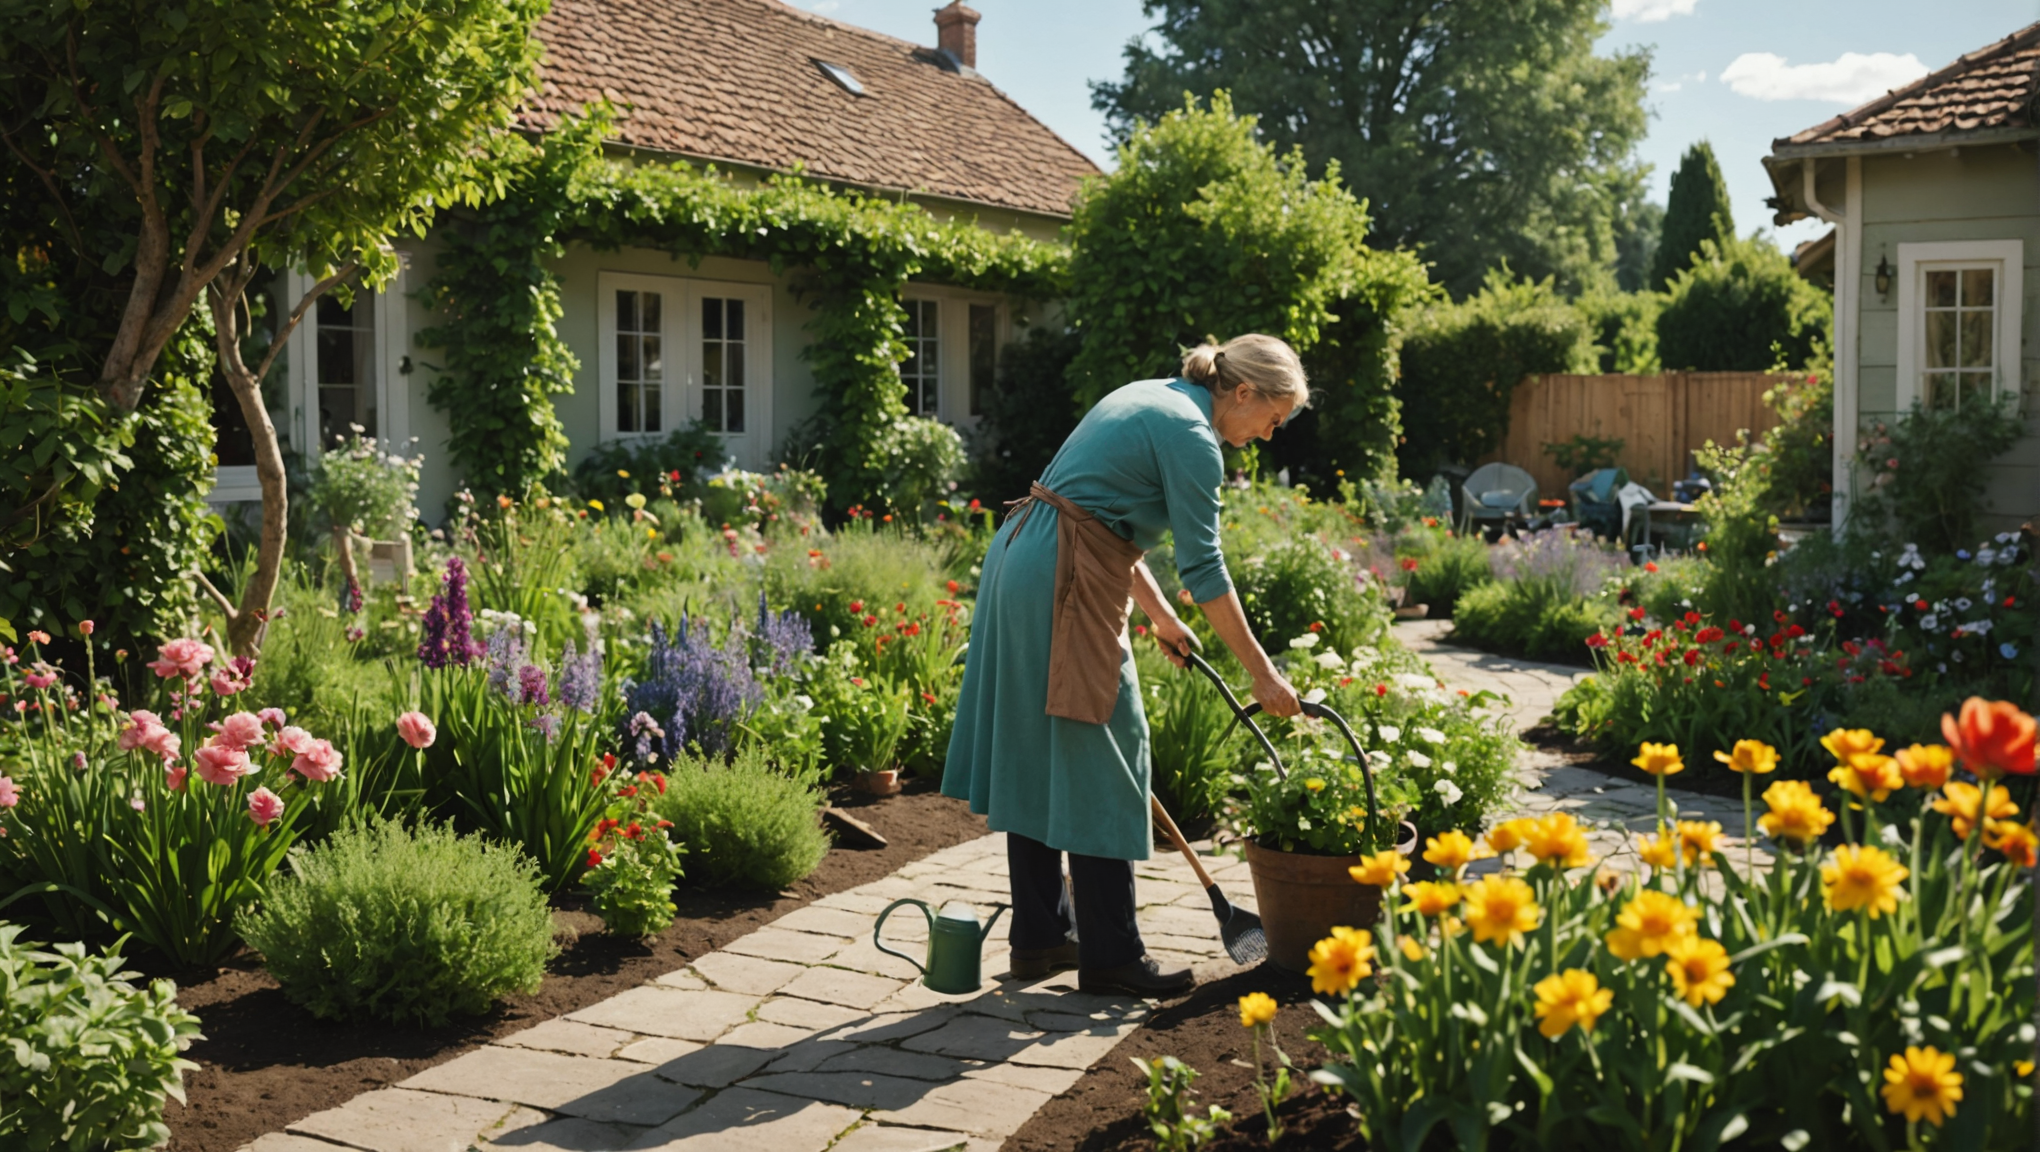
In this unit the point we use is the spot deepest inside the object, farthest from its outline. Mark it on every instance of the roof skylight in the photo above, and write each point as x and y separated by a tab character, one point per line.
841	76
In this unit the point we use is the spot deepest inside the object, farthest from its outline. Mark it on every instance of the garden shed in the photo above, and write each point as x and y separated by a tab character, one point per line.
1934	191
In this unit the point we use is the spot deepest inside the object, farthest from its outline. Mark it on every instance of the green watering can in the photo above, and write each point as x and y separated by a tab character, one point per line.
955	942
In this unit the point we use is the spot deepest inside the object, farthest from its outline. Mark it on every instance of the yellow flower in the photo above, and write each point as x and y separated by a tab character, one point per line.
1557	839
2023	1068
1868	775
2015	840
1843	743
1699	969
1649	924
1509	834
1341	960
1699	841
1750	756
1796	813
1922	1085
1431	898
1568	998
1452	850
1256	1008
635	500
1380	869
1500	908
595	504
1958	801
1660	851
1411	948
1660	759
1315	784
1925	765
622	475
1862	877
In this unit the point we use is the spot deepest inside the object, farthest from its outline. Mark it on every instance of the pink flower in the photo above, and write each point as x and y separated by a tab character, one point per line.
320	762
38	636
10	795
241	730
219	764
293	740
146	731
39	675
272	717
86	626
233	676
264	806
134	802
184	657
173	778
416	730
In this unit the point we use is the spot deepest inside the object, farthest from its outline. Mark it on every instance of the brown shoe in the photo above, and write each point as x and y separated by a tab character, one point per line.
1036	963
1143	978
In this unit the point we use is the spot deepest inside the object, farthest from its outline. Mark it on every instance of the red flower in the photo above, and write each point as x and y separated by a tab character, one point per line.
1381	689
1140	629
929	697
1650	566
1317	626
1692	617
856	606
1409	564
608	762
1597	641
1636	613
1795	632
954	587
1835	609
973	505
594	857
901	607
629	792
1991	737
871	621
1345	681
1625	658
1692	656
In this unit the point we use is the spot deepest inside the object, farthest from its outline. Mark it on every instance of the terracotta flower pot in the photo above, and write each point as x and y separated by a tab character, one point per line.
886	783
1303	897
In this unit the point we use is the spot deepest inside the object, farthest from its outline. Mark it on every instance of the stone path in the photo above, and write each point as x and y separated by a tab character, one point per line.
802	1036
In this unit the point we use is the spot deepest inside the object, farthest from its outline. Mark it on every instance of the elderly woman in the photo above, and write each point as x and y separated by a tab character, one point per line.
1051	744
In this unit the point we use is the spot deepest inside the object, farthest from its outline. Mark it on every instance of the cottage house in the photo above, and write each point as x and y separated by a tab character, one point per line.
1934	193
754	87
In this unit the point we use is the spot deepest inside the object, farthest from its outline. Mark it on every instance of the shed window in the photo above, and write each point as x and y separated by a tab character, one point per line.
344	353
922	368
1959	361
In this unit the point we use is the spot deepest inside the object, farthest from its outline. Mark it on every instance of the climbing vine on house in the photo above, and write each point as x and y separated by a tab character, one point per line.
850	253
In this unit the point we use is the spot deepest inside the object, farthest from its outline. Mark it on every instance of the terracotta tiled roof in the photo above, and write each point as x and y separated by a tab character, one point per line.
739	81
1991	88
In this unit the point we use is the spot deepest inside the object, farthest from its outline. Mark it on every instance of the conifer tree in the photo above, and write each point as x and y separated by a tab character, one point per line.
1697	210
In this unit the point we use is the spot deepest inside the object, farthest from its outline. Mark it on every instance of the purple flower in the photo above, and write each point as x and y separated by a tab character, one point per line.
580	678
781	638
350	597
644	730
449	623
548	725
703	691
506	655
531	686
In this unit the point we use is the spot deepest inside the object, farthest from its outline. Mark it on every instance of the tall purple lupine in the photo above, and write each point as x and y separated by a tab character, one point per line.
580	680
449	623
781	638
506	654
531	687
702	690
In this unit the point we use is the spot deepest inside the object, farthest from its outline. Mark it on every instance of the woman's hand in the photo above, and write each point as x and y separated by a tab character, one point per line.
1275	695
1175	639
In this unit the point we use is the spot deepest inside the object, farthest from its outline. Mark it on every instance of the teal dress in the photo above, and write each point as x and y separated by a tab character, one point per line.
1145	460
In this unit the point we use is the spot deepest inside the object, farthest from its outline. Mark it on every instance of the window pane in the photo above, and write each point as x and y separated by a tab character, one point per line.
735	313
336	355
711	318
1977	287
733	400
627	406
1941	330
983	353
711	408
712	365
626	312
653	420
733	366
627	365
649	302
1975	389
1940	289
332	315
654	363
1976	344
1941	391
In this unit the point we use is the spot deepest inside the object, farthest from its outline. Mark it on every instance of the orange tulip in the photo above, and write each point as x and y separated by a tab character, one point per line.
1991	738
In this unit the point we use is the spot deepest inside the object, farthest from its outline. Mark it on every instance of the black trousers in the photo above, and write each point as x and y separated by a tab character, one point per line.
1106	933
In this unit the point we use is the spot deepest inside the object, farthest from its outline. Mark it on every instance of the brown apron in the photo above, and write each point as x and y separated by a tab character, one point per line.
1093	577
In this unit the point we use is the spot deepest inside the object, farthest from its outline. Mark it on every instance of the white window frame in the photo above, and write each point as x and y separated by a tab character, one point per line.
2007	259
952	370
680	332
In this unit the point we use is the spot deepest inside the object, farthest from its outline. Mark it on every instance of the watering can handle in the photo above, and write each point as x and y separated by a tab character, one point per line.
1240	715
880	927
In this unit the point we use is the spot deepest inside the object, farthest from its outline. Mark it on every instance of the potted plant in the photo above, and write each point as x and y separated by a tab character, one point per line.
366	493
868	718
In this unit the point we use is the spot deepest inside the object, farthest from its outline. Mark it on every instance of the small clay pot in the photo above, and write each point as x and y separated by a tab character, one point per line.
886	783
1302	897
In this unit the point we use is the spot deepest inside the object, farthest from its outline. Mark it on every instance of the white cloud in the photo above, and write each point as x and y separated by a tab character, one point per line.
1652	11
1850	79
827	6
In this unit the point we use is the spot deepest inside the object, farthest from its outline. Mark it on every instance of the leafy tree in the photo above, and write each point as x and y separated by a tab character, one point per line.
1478	130
1026	415
1461	364
1638	232
1697	211
1625	330
1741	308
1205	231
184	152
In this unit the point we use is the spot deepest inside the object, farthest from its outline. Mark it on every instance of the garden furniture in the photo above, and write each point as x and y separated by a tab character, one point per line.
1499	495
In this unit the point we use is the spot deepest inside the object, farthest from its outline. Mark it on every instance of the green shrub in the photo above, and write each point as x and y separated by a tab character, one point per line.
743	822
1448	569
1524	618
1926	480
1188	723
1025	416
614	469
1739	308
1625	330
88	1058
403	924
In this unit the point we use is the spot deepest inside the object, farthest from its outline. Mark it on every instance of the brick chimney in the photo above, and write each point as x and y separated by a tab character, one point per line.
956	32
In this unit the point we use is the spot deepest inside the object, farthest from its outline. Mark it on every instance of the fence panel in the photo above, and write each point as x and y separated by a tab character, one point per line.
1660	420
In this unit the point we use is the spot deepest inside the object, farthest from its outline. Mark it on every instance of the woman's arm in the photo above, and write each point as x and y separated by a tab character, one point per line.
1271	689
1169	629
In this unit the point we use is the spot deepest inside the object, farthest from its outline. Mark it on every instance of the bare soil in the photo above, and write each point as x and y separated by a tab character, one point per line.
265	1062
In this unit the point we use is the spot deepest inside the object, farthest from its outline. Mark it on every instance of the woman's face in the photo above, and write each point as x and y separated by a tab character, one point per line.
1243	415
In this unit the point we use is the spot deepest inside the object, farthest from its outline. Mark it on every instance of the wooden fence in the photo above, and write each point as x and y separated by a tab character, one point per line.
1659	419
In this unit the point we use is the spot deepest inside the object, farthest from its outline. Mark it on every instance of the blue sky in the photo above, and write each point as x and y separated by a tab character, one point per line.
1736	72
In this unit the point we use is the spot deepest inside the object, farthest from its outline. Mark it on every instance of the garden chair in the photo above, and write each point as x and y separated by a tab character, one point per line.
1498	495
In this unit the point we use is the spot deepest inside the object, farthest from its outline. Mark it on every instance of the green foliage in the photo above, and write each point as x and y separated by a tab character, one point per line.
743	823
1448	567
1625	330
1638	232
1697	212
409	925
1742	535
91	1059
1299	588
918	461
1167	1109
61	444
694	452
1026	415
362	487
1481	130
1798	452
1926	474
1205	231
1580	454
1188	726
1461	362
634	863
1528	618
1740	307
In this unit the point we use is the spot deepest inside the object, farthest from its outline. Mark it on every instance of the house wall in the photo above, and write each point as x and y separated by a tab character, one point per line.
1989	193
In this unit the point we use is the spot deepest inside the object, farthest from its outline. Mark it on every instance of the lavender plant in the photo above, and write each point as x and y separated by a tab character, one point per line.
694	691
448	624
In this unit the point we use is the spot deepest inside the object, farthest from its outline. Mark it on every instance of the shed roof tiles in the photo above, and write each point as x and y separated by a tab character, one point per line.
1991	88
741	81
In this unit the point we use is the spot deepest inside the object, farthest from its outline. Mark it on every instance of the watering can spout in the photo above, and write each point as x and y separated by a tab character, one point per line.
955	944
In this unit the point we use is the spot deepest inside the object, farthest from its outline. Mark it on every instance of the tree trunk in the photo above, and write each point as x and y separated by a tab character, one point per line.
248	622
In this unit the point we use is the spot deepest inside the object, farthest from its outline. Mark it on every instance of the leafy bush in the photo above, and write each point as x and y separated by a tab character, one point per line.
403	924
362	487
1580	454
1448	567
90	1058
1188	723
633	864
1538	606
614	469
1025	416
1926	471
1461	362
1625	330
742	822
1798	452
918	461
1739	307
1300	586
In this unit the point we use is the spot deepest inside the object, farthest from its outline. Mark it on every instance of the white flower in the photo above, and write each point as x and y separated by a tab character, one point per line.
1391	733
1986	555
1314	696
1417	759
805	702
1962	603
1931	622
1303	822
1430	736
1450	767
1449	791
1977	627
1413	681
1329	661
1307	640
1378	760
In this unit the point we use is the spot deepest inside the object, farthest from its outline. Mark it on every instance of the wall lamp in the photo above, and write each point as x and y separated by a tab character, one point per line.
1884	277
